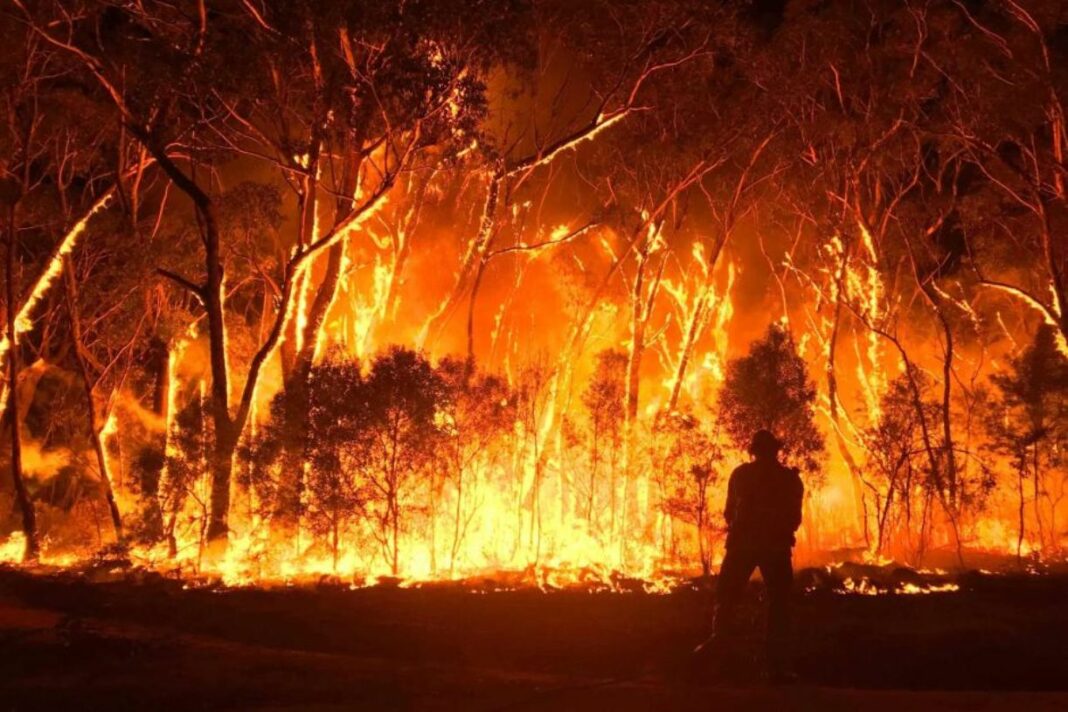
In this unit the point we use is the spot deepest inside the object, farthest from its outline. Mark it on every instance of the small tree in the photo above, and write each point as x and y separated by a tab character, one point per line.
337	426
769	389
476	412
602	399
533	400
185	466
1028	423
892	474
685	458
403	394
329	446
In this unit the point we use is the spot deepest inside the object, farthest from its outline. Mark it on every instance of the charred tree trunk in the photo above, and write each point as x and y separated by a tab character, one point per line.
1036	474
212	296
225	437
394	533
946	474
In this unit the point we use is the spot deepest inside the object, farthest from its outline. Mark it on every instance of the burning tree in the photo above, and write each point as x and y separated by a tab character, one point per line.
390	119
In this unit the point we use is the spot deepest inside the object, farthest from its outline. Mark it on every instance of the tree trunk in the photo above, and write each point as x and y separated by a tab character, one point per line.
698	320
150	486
394	507
225	437
335	539
833	403
221	466
1037	485
457	520
89	387
472	260
1020	513
693	332
480	272
212	295
29	518
301	359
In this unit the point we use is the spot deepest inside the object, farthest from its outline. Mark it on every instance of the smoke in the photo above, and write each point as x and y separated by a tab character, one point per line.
43	463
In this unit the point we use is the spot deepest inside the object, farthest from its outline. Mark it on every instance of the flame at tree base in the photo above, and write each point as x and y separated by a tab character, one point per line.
237	569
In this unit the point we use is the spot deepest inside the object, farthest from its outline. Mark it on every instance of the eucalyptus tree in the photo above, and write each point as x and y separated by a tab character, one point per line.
384	82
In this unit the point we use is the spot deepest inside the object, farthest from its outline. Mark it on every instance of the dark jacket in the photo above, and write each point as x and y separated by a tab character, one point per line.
763	505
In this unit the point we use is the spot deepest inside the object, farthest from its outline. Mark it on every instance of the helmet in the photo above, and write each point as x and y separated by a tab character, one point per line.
764	442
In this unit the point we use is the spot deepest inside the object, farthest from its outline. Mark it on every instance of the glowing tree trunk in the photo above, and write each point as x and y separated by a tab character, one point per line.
694	329
834	402
702	306
293	340
642	300
54	265
641	303
305	337
473	262
561	384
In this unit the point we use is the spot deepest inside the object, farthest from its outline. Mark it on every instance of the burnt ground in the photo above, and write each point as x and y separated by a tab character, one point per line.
1001	643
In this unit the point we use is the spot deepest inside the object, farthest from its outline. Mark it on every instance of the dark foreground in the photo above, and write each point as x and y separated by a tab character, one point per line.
998	644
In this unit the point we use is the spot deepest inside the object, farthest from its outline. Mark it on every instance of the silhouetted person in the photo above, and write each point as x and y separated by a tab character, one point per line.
763	511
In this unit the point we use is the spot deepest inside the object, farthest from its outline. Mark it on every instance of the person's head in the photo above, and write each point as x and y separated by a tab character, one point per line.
764	445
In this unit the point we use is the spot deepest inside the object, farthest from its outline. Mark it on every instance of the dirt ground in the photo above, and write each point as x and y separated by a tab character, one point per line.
149	644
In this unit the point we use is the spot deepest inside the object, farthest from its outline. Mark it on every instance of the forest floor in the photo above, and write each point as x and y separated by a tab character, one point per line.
141	642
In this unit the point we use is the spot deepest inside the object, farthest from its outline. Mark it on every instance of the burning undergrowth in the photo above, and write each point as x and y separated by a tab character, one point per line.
845	578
